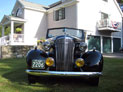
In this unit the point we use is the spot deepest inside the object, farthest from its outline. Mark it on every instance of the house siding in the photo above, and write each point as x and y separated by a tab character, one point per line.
88	20
87	15
90	13
116	16
35	27
69	21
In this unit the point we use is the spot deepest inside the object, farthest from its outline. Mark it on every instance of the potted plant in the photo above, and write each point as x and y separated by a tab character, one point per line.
18	30
39	42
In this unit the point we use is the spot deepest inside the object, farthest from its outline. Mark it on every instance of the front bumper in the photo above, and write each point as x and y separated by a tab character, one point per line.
62	73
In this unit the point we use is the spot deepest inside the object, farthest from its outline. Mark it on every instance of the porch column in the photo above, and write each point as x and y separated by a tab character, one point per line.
2	30
12	30
101	44
112	45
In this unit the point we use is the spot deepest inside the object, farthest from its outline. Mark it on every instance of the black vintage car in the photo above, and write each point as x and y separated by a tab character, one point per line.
64	54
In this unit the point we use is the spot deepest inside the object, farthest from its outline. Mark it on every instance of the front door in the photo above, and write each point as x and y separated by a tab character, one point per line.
94	41
106	45
117	44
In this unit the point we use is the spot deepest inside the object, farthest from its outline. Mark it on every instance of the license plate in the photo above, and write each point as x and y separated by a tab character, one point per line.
38	64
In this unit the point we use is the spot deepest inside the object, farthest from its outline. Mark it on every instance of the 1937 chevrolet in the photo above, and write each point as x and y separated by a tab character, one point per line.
64	54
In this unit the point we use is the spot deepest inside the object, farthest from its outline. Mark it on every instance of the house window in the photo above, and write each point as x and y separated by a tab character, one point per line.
60	14
104	16
18	12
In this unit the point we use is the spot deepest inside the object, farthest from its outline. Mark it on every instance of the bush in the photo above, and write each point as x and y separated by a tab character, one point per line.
18	30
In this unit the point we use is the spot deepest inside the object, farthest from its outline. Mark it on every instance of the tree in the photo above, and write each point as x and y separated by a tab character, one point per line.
120	1
7	31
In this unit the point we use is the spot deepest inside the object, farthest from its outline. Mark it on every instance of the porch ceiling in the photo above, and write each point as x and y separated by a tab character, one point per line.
109	29
6	19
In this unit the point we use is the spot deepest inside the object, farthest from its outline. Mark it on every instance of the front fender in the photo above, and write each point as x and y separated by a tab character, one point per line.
93	61
35	54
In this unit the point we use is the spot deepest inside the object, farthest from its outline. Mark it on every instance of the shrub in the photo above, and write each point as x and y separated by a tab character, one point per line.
18	30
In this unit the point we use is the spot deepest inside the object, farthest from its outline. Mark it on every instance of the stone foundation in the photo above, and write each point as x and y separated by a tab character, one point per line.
14	51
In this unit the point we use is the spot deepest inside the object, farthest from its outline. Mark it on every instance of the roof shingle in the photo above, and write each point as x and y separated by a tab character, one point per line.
34	6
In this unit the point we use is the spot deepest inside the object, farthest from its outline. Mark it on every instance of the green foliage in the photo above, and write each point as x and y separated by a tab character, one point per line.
121	1
18	30
7	31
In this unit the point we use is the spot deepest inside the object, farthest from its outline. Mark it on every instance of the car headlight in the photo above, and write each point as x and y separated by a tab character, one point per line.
46	45
50	61
79	62
83	46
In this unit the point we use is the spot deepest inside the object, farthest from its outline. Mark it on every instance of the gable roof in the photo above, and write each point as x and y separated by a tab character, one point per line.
11	18
60	4
55	4
118	7
39	7
32	6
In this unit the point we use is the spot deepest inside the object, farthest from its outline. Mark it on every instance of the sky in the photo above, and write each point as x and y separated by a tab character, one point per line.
6	6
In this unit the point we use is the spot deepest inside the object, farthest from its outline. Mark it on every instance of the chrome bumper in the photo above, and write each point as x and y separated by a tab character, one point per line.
61	73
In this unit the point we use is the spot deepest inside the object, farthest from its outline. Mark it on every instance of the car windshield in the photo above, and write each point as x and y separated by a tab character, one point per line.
66	31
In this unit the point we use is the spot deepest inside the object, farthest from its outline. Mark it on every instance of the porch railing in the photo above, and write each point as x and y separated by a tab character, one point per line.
106	23
18	37
5	40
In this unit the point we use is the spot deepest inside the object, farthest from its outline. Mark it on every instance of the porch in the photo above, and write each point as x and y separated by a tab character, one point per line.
109	25
15	31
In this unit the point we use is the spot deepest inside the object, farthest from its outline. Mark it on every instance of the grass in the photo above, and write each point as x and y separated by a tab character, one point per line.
14	79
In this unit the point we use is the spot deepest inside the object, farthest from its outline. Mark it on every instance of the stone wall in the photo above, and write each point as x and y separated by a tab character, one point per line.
14	51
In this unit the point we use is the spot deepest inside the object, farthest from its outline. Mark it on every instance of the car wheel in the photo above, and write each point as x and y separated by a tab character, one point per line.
94	81
31	79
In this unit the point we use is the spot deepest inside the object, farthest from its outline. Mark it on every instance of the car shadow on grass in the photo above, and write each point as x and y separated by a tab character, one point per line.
63	80
14	71
19	76
19	79
16	74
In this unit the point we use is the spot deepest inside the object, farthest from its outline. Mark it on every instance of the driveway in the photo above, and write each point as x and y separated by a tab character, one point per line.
113	55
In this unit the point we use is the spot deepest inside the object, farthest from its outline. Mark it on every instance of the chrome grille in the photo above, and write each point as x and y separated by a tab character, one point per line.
64	54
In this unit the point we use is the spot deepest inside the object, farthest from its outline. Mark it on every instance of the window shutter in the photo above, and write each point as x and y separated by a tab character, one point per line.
54	15
63	13
57	15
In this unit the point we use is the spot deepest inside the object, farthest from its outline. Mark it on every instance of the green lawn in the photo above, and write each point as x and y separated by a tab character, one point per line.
14	79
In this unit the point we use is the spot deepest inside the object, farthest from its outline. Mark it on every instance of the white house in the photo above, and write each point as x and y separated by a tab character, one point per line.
101	20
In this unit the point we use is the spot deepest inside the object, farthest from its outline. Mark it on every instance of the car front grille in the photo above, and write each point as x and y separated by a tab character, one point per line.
64	54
